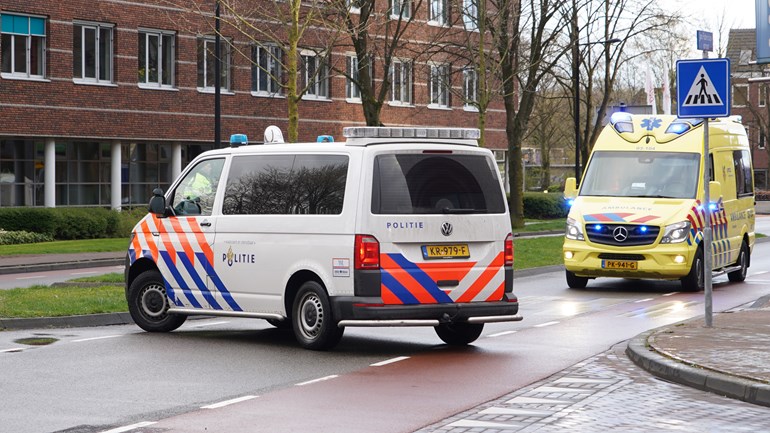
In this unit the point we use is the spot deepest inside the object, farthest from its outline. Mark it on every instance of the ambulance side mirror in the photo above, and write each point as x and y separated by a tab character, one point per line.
715	191
570	188
157	204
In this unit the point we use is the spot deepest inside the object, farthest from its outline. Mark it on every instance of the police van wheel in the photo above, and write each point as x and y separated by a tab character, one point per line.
694	281
575	282
459	334
312	318
743	262
148	304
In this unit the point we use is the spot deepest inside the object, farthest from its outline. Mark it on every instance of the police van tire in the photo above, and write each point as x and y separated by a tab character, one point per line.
312	318
743	262
575	282
148	304
694	281
459	334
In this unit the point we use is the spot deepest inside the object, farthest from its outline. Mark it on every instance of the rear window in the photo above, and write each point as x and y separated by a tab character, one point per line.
435	184
286	185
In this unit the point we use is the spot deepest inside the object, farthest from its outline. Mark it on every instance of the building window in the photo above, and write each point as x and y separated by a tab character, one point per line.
740	95
401	9
266	69
471	15
760	179
22	172
762	95
23	46
401	82
352	91
314	75
470	88
207	64
354	6
92	52
439	86
437	14
156	58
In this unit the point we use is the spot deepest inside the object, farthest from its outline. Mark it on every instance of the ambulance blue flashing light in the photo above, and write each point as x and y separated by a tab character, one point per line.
324	139
712	206
622	122
680	126
570	202
238	140
385	132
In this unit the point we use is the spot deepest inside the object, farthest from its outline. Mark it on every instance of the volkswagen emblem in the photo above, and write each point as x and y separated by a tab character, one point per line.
446	229
620	234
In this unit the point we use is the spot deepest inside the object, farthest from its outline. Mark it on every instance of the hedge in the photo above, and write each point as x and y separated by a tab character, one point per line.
71	223
22	237
539	205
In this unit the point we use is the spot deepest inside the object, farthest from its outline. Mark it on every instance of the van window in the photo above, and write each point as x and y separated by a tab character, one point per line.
195	193
427	183
641	174
286	185
744	184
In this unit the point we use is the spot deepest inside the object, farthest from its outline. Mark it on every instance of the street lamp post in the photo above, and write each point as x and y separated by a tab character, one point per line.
217	82
576	60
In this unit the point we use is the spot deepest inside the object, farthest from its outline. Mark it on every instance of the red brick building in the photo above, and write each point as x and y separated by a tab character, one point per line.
103	100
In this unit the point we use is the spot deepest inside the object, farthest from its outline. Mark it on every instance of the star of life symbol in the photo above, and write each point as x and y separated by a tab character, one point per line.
651	123
702	92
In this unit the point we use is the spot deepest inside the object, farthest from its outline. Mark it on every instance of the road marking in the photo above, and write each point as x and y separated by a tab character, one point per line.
670	294
14	350
388	361
30	278
96	338
316	380
229	402
639	301
500	334
83	273
130	427
203	325
543	325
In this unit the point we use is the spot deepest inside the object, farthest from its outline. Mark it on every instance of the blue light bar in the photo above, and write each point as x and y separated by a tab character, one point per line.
238	140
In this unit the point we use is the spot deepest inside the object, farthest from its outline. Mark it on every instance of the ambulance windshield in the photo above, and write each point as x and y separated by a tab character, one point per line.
642	174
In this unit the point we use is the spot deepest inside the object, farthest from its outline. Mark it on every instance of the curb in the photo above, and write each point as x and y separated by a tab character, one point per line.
646	357
80	264
67	321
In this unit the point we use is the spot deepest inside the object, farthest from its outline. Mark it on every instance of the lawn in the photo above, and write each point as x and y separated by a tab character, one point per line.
66	247
43	301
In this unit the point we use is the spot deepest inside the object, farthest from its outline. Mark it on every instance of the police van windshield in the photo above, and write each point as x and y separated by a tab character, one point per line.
420	183
642	174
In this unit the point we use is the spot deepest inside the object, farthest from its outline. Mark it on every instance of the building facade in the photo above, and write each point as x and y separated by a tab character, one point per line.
103	100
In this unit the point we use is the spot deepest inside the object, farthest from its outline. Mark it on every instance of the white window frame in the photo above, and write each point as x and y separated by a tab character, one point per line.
470	89
225	64
272	70
353	6
97	28
352	91
400	9
27	74
438	13
735	92
164	37
400	69
471	15
316	84
439	85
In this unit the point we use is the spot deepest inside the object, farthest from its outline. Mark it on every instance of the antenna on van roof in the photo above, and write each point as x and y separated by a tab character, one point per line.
273	134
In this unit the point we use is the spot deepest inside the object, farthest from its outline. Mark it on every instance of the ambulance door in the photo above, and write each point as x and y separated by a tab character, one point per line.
188	240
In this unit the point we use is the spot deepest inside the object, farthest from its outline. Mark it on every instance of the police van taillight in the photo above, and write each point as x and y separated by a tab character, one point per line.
367	252
508	252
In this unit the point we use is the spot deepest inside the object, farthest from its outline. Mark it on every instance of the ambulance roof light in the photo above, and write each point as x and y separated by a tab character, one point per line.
238	140
416	132
622	122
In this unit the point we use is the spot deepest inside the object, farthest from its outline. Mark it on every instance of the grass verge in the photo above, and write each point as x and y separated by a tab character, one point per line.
536	252
43	301
66	247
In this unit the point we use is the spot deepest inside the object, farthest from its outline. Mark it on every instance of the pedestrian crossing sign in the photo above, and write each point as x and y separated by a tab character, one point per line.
703	88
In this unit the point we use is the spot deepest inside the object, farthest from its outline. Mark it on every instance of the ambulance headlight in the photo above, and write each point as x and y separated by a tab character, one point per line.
574	231
675	233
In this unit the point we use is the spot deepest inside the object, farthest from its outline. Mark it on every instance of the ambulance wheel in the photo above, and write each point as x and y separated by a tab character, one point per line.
459	334
312	318
743	262
695	281
575	282
148	304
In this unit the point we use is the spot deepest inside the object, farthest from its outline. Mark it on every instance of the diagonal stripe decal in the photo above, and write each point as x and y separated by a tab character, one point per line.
226	295
424	282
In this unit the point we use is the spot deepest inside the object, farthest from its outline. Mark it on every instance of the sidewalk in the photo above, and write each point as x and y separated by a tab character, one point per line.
732	358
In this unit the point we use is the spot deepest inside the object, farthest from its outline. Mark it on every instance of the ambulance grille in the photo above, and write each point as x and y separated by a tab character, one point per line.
611	256
622	235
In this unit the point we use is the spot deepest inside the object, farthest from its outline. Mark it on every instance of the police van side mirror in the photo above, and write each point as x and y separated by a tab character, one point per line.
715	191
570	188
157	204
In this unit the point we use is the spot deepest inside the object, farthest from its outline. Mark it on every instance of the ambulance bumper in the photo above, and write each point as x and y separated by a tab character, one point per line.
358	311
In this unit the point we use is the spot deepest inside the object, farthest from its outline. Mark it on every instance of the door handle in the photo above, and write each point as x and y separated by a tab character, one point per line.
206	224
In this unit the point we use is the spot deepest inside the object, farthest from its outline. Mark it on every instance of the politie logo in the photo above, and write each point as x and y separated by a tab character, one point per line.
232	258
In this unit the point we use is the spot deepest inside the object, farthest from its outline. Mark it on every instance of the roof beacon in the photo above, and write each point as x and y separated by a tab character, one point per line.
384	132
324	139
238	140
273	135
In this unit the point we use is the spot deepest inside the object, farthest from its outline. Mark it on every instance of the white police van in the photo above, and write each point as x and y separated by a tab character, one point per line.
393	227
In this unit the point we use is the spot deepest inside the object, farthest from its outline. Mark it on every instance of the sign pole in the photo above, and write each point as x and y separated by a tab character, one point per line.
707	256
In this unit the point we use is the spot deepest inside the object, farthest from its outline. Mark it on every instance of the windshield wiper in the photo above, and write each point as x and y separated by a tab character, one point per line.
462	211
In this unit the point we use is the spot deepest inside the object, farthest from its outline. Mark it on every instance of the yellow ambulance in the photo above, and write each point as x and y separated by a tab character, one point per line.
638	212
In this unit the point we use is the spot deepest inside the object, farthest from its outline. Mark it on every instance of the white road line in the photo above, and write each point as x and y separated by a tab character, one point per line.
670	294
14	350
96	338
203	325
388	361
639	301
500	334
543	325
316	380
83	273
229	402
30	278
130	427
